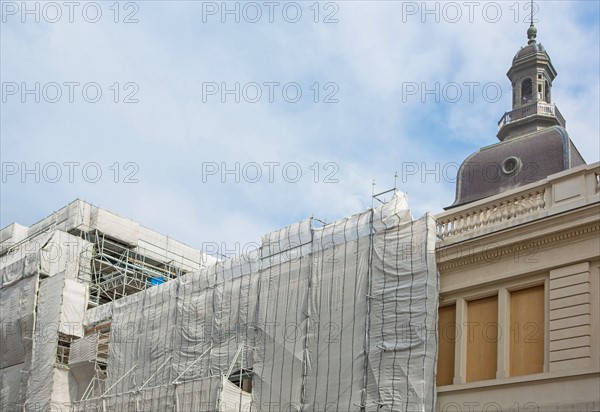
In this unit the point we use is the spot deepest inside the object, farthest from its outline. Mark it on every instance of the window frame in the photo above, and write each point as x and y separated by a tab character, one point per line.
460	298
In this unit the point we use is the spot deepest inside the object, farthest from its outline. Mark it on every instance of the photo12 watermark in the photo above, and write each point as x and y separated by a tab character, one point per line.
69	172
451	92
269	172
270	12
269	92
468	172
69	92
69	11
452	12
490	406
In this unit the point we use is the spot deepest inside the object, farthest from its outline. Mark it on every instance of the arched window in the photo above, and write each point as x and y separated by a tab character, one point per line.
547	92
526	90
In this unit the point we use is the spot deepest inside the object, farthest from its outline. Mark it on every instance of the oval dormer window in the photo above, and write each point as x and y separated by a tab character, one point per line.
511	166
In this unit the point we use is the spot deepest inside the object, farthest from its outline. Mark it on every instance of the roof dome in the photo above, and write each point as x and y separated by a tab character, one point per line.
513	163
529	49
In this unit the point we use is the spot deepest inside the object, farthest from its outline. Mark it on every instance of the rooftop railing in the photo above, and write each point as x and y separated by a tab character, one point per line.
563	191
536	108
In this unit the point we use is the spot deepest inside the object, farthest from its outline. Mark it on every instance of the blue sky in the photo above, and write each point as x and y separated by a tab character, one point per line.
182	157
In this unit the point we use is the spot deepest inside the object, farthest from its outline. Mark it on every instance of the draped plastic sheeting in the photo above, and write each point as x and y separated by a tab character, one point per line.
17	307
33	312
341	317
233	399
81	361
45	342
47	253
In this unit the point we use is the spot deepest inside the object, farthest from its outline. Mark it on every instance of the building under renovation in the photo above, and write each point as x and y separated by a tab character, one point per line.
492	305
104	314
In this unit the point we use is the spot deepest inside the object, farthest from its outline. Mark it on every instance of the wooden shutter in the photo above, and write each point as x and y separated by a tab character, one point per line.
527	331
446	344
482	339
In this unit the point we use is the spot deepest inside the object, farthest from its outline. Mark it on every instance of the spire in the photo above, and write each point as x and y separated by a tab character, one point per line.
532	31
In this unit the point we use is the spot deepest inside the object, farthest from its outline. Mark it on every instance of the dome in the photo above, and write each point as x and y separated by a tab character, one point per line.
513	163
529	49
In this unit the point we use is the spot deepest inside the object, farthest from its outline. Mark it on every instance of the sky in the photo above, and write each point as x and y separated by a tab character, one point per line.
217	122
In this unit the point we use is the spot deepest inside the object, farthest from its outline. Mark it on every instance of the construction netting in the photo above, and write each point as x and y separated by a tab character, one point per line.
340	317
329	317
41	300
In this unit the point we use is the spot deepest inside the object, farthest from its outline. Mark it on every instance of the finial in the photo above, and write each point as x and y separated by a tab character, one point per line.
531	19
532	31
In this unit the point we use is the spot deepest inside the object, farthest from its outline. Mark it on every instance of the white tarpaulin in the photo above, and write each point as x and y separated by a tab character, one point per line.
340	317
233	399
33	312
47	253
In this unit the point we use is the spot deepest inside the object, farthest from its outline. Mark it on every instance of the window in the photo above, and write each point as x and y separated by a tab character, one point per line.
526	90
495	332
63	349
482	339
547	92
446	345
527	331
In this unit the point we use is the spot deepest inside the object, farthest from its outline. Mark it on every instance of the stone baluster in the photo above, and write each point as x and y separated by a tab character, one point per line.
542	201
484	216
514	207
520	205
504	208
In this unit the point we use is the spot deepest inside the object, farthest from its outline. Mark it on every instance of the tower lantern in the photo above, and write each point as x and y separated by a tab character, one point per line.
531	76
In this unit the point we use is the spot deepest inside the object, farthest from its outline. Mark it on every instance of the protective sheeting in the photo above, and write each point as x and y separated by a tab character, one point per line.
83	350
338	317
23	260
167	250
402	318
72	311
197	395
233	399
81	362
46	254
64	389
60	308
117	227
17	306
45	342
33	373
13	383
74	216
12	234
98	314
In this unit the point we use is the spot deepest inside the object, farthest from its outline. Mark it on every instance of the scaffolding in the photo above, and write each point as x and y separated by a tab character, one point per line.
100	339
117	270
315	319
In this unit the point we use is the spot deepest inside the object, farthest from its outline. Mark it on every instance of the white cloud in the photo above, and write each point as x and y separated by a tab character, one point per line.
373	132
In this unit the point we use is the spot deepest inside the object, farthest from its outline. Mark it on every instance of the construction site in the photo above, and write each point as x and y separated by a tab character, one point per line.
491	305
101	313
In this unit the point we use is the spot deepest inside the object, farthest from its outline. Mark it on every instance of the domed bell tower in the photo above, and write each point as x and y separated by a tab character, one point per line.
534	143
531	76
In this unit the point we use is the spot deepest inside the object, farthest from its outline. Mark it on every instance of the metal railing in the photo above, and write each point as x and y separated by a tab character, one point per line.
536	108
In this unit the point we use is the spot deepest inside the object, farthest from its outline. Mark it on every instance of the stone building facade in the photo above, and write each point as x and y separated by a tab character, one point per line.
519	258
